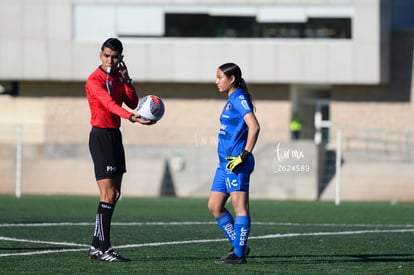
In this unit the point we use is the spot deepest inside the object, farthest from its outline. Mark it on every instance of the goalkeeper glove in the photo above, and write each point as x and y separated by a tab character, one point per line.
235	161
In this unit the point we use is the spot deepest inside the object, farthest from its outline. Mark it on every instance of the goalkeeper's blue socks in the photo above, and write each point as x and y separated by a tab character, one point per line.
226	224
241	230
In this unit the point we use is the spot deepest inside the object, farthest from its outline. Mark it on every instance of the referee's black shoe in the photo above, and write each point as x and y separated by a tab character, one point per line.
93	253
111	256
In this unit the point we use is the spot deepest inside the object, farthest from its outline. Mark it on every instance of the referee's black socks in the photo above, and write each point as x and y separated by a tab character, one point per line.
101	237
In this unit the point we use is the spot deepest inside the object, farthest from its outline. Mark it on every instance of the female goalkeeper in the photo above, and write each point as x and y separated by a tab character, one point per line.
237	137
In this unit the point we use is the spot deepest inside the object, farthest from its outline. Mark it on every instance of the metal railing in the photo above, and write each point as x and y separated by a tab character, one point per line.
389	145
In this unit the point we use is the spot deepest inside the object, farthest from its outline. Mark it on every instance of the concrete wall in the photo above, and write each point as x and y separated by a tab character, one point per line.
56	158
374	181
183	171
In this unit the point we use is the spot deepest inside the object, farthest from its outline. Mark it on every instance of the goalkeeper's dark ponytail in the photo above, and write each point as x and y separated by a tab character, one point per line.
231	69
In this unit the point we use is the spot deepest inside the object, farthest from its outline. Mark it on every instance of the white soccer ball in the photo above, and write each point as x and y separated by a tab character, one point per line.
151	107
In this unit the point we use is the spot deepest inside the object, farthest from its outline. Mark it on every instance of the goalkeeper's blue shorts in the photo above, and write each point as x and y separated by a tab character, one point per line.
239	180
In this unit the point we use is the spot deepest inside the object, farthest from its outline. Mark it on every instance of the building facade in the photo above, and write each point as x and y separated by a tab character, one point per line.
338	64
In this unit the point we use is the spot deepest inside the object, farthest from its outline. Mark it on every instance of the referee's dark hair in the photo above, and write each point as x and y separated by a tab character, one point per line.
114	44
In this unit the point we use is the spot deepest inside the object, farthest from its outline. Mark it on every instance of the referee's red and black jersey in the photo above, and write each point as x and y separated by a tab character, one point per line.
106	107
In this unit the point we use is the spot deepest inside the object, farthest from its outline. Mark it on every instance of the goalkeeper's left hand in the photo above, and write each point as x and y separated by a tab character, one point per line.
235	161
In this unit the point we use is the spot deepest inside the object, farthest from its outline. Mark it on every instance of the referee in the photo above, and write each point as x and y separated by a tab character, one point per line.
107	88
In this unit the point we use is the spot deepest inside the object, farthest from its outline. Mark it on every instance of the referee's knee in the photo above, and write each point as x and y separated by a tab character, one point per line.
110	196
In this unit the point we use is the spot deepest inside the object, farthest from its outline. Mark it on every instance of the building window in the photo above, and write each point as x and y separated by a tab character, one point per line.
204	25
272	21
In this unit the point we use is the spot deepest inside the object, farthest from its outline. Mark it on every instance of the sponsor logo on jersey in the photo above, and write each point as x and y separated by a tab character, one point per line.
222	129
230	184
245	104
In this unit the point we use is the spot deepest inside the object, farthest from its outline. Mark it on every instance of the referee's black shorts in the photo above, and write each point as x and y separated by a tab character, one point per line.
107	151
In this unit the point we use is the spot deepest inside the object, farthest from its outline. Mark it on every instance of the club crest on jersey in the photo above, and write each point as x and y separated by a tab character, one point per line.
228	107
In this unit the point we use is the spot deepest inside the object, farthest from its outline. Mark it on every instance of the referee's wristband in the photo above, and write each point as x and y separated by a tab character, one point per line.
130	118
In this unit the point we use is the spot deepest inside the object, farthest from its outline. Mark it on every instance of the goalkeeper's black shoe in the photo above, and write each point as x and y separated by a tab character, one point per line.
246	251
231	258
111	256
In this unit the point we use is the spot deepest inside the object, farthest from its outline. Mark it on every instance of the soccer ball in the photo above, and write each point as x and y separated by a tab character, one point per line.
151	107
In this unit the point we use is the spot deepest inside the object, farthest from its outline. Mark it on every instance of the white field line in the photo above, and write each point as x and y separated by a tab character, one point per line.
273	236
93	224
202	223
40	242
269	236
357	232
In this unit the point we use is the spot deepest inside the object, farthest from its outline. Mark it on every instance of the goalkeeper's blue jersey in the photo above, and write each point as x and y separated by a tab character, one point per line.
232	136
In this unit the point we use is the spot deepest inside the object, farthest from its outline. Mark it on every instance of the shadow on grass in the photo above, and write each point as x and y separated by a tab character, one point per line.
306	259
295	259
